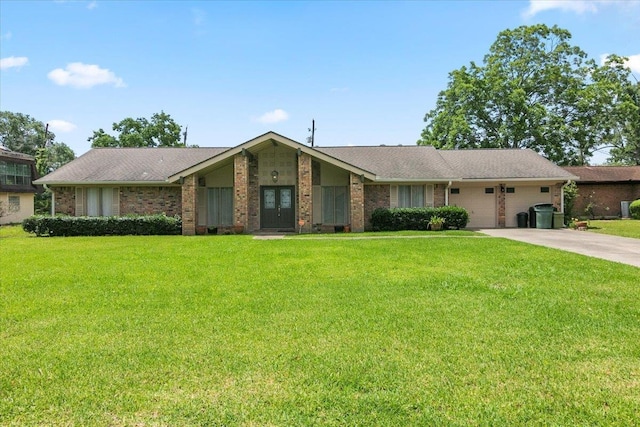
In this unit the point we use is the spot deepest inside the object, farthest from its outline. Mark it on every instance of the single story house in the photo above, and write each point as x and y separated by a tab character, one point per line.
601	189
272	182
17	172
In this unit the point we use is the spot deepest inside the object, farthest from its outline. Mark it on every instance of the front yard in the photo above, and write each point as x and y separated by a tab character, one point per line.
227	330
623	228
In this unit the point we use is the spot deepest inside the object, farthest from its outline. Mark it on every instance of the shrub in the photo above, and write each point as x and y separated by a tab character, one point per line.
395	219
634	209
102	226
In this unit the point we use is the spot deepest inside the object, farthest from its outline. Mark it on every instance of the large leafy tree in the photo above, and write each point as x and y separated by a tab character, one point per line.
160	131
624	138
534	90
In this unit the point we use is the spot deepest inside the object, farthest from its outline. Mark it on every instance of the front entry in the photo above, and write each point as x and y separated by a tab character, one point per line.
278	207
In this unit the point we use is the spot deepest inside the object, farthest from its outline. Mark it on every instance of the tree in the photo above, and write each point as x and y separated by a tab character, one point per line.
160	131
625	134
534	90
22	133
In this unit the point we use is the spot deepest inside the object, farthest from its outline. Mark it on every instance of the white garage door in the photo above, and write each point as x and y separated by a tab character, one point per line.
480	202
521	198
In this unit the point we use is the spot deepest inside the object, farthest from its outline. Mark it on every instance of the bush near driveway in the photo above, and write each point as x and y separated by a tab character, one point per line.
397	219
634	209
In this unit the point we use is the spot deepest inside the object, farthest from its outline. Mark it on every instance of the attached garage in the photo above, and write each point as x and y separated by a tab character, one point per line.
518	198
480	202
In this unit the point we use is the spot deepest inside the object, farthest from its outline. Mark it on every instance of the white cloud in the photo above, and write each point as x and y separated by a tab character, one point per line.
13	62
577	6
274	116
633	62
61	126
84	76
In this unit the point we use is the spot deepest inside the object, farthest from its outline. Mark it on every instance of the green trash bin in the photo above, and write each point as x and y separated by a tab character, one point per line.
544	215
558	220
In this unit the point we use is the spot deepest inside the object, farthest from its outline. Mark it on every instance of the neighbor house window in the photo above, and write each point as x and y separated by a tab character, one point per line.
14	203
334	205
14	173
220	206
100	201
411	196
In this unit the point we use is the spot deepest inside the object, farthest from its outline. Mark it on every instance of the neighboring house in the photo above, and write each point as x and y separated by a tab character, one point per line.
274	183
17	172
602	188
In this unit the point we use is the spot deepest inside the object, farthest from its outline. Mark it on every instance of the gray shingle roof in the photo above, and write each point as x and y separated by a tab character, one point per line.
395	162
496	164
387	163
129	165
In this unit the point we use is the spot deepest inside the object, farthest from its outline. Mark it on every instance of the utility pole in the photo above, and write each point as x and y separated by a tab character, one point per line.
313	131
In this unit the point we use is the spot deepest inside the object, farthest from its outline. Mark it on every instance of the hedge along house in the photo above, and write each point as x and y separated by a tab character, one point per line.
17	172
274	183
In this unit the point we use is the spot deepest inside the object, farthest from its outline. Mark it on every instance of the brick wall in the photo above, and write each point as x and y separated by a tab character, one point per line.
305	192
151	200
439	192
253	208
241	191
375	196
189	205
357	203
65	200
605	198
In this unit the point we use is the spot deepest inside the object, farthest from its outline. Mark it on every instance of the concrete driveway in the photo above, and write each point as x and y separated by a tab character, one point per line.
612	248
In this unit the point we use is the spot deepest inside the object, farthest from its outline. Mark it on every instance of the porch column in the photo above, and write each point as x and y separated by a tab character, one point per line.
502	206
356	198
305	193
241	191
189	205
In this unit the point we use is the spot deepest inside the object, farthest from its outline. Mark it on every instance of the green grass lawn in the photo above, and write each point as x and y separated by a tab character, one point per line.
624	228
226	330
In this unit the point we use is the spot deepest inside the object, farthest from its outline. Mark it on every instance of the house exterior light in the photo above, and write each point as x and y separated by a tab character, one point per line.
274	175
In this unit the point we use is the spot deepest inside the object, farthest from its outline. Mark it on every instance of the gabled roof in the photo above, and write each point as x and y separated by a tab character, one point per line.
495	164
380	163
605	173
128	165
268	139
396	163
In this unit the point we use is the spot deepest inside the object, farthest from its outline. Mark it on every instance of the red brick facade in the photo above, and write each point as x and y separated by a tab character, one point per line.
604	198
65	200
375	196
241	191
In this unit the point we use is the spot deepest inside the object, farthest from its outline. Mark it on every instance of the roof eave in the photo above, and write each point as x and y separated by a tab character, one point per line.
103	183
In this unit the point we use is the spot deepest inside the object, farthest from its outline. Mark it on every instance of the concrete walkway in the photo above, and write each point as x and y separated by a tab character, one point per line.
611	248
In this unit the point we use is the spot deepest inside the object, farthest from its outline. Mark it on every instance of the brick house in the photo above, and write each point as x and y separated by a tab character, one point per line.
603	188
274	183
17	172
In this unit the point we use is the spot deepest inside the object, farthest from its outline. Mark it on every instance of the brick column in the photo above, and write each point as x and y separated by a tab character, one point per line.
241	191
356	194
305	192
557	196
189	205
439	195
502	206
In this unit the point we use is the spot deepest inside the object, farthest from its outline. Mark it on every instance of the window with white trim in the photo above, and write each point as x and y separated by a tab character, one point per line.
14	204
97	201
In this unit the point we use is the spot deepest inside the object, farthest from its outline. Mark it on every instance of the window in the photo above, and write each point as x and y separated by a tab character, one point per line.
220	204
100	201
544	189
455	191
14	173
14	204
334	205
411	196
511	190
488	190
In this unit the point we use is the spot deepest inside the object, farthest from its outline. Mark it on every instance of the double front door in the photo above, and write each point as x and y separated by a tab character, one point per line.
277	207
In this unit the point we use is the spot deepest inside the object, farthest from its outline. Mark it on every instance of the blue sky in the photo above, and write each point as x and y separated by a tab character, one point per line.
367	72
